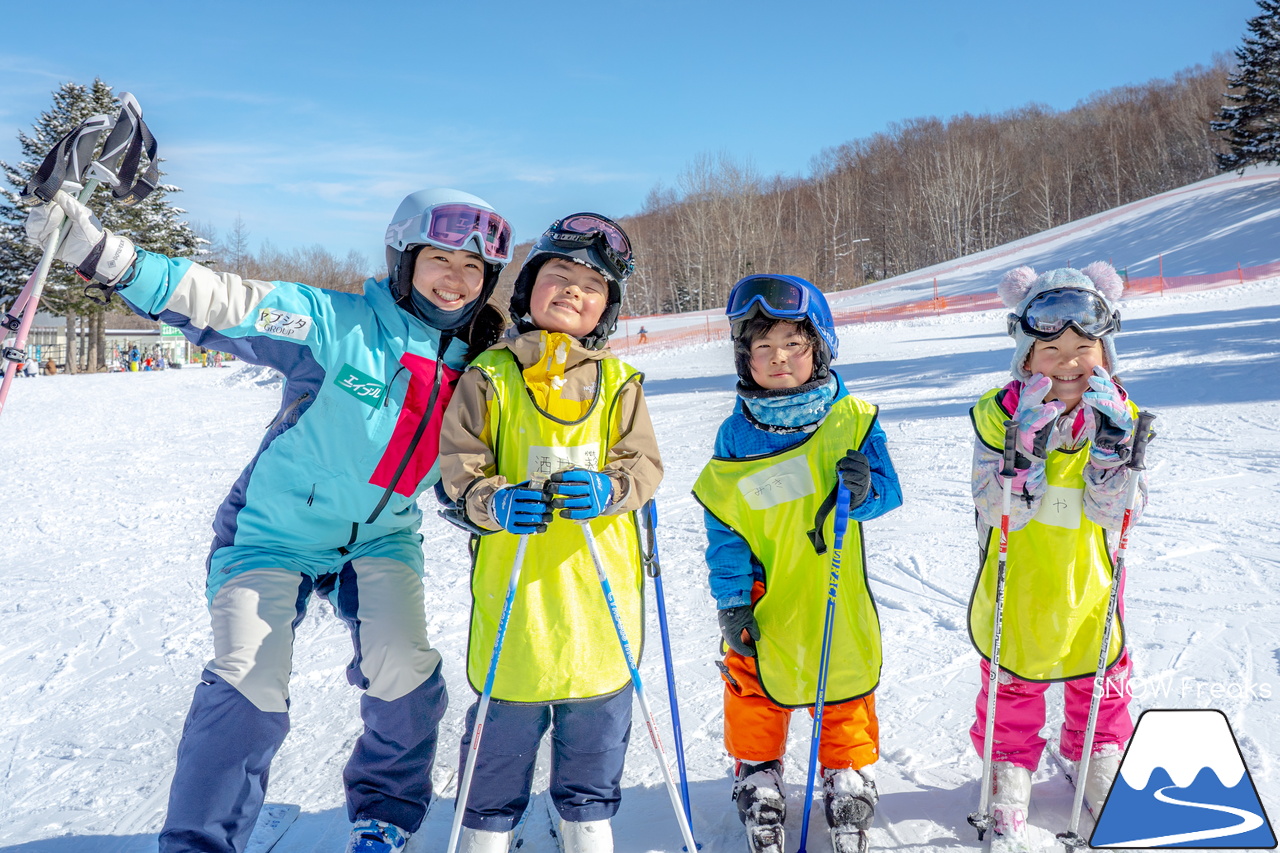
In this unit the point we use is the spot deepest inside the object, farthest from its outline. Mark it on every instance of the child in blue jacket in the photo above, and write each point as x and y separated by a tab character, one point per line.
769	492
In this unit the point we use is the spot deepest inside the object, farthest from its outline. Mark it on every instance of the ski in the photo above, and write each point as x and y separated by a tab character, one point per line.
553	821
272	822
517	832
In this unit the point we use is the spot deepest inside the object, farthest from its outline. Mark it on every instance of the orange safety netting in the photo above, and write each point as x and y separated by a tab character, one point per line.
706	328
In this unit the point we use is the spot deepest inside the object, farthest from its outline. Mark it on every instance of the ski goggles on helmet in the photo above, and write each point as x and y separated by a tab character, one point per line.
776	297
583	230
453	225
1051	313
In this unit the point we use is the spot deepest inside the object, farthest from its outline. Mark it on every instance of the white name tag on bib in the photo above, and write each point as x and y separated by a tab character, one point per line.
545	461
778	484
1061	507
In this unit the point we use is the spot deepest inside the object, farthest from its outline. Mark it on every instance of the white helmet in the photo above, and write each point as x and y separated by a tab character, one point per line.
448	219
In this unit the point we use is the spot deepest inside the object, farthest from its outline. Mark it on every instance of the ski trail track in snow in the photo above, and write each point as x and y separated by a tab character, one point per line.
103	627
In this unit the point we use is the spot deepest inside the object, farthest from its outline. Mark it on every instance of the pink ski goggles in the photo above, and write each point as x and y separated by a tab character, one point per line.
452	226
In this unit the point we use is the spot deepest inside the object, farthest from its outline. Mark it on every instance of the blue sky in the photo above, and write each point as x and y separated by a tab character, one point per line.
312	124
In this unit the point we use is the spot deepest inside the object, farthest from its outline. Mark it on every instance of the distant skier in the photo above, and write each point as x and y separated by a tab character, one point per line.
643	337
555	405
769	492
1075	432
328	504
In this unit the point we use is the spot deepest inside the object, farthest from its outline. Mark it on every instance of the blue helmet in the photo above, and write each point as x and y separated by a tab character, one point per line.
782	297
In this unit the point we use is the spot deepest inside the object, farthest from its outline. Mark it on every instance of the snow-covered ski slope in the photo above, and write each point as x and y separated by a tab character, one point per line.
1213	226
112	481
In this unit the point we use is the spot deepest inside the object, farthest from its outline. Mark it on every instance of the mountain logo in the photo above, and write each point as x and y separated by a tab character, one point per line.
1183	783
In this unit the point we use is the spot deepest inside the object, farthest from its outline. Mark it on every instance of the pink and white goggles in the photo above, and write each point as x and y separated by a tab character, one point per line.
454	225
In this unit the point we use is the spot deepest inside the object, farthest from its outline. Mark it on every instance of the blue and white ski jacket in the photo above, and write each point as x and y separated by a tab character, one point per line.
357	435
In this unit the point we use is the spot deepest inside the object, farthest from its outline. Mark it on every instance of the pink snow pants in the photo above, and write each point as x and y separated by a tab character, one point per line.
1020	715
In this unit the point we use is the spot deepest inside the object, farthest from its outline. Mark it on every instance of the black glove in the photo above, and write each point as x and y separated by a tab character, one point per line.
855	471
735	620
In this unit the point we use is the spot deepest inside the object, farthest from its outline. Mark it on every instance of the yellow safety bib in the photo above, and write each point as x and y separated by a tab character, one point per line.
781	504
1057	578
560	643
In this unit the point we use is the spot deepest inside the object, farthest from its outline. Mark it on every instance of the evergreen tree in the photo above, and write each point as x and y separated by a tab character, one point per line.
1250	120
152	224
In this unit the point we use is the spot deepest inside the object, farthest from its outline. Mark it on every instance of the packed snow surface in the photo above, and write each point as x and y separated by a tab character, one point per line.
113	479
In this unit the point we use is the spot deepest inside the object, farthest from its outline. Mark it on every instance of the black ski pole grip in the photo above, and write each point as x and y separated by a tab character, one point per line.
1010	448
1142	434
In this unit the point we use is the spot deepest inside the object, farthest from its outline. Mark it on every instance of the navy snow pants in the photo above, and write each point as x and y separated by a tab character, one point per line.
588	749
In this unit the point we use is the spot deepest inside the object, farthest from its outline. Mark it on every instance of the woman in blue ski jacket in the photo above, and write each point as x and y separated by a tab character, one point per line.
326	505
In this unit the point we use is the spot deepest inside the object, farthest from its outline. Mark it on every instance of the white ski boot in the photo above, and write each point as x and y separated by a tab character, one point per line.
375	836
1010	802
849	797
1103	766
484	841
586	836
762	807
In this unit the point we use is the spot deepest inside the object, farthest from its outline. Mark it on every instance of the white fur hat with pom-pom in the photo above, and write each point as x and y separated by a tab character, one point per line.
1023	284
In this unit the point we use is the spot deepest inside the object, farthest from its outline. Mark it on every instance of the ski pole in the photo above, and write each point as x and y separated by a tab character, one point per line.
982	820
23	312
649	524
654	739
477	730
1137	462
828	628
71	159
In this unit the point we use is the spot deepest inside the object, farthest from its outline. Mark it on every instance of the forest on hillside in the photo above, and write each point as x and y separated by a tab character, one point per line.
919	192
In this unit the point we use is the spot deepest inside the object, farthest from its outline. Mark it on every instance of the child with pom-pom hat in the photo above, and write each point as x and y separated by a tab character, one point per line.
1075	430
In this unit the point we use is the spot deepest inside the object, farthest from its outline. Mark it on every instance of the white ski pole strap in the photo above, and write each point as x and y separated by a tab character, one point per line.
68	159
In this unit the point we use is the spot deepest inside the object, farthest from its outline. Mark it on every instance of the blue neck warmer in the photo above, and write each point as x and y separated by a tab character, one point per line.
792	410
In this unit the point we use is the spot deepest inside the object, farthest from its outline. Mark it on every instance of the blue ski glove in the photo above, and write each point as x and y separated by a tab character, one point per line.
1112	423
735	620
579	493
521	509
1036	420
855	471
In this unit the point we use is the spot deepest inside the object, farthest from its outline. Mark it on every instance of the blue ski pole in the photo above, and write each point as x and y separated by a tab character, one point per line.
649	523
607	588
828	625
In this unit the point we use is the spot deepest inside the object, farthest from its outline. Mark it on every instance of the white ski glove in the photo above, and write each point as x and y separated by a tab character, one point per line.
95	252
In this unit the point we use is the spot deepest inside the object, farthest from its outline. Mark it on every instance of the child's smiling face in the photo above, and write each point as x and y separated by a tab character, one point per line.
568	297
1069	361
782	358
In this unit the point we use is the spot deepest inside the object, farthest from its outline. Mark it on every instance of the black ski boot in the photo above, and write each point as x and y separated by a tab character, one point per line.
849	797
757	790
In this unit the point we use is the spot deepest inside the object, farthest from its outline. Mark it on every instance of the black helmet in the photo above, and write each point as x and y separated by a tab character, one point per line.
585	238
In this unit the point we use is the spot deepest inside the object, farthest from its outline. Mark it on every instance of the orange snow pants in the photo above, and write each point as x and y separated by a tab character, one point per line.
755	729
